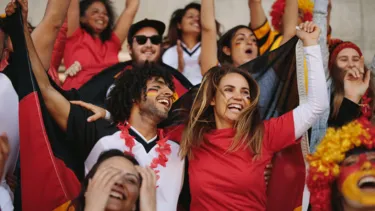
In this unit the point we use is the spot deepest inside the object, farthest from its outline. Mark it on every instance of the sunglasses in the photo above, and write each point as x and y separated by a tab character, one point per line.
141	39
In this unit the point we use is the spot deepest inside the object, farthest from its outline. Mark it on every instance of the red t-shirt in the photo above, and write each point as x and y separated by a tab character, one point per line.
222	180
93	55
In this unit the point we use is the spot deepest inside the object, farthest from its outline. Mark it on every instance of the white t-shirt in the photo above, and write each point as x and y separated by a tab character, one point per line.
192	70
9	125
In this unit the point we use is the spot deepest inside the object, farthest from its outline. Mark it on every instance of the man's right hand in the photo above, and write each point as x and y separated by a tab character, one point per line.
99	112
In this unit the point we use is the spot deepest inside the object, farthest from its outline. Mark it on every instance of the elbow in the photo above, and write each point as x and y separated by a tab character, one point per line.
321	106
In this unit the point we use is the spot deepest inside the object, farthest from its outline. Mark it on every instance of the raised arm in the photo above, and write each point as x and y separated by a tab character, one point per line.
73	14
306	114
209	42
45	33
56	104
257	15
126	19
290	20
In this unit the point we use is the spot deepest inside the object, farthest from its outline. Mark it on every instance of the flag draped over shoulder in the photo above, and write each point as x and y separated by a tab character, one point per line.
276	74
47	182
95	90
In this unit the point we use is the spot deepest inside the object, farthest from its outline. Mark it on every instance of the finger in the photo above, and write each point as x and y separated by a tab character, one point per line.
99	175
362	64
142	172
81	103
152	176
4	146
94	117
367	77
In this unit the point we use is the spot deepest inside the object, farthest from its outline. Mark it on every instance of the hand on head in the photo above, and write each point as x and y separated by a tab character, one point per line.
356	81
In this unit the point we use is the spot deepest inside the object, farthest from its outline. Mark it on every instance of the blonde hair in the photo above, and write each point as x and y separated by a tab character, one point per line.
249	126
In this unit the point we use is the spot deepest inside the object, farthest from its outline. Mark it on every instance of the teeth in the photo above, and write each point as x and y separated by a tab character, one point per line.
164	102
369	179
116	195
100	22
235	106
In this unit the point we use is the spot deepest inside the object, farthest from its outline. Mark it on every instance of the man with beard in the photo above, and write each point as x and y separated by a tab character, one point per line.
140	99
144	39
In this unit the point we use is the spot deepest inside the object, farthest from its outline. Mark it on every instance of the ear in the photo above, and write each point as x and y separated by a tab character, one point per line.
226	50
129	49
213	103
178	26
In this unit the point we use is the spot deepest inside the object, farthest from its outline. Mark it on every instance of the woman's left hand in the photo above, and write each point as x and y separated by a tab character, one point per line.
356	82
309	33
147	194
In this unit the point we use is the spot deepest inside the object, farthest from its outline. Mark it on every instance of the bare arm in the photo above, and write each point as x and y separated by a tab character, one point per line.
45	33
290	20
73	14
209	43
257	15
56	104
126	19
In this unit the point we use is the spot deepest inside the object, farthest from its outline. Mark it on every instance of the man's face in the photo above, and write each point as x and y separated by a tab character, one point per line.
158	102
146	46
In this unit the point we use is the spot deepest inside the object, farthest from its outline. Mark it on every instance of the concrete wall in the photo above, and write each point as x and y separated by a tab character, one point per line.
351	19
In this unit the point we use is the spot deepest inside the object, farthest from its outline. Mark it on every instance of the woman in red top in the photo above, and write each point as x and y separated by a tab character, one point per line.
93	39
227	143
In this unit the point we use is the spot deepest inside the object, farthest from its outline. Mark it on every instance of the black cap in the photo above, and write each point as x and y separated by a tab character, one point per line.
158	25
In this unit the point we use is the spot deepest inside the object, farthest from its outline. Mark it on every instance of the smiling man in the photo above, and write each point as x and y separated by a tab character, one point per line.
140	99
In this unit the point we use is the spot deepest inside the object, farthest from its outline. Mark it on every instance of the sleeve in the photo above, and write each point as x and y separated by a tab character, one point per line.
348	112
5	200
265	37
279	133
115	41
59	46
81	134
306	114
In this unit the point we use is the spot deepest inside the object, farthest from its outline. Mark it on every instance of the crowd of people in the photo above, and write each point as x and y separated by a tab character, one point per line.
194	121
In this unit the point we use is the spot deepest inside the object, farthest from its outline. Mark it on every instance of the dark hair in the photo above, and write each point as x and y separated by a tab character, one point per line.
79	202
131	87
174	33
226	40
106	34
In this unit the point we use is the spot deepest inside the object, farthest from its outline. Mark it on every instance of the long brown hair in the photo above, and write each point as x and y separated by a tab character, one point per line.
174	33
338	75
249	126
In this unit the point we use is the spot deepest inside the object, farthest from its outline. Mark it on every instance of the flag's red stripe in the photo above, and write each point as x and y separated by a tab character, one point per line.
46	181
285	189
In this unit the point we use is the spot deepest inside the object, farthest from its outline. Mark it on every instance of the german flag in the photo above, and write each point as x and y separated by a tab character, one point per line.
47	177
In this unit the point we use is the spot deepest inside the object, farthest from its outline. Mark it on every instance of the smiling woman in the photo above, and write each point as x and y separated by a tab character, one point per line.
94	40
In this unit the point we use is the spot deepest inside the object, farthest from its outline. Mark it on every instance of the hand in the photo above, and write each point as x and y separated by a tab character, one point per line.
12	6
99	113
4	152
180	54
309	33
356	82
148	189
268	173
100	186
73	69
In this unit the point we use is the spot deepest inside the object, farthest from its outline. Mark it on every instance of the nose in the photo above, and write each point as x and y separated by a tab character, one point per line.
167	91
148	42
366	166
237	96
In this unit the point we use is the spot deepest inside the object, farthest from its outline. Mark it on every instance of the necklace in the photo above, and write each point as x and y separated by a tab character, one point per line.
163	148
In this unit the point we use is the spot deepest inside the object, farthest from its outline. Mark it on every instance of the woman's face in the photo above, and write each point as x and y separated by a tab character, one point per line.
190	23
243	47
125	192
347	59
96	17
231	98
356	181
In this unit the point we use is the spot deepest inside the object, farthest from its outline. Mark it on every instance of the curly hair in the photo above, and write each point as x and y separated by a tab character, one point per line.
79	203
131	86
106	34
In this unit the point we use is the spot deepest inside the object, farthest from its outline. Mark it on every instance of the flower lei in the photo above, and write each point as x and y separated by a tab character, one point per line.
325	162
163	149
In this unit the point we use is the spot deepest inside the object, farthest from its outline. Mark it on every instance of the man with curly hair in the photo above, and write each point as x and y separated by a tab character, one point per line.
139	101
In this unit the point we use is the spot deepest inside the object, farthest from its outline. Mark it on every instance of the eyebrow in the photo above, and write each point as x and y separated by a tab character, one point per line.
133	175
230	86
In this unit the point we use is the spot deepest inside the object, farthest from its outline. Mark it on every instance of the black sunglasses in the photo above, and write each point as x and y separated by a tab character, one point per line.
141	39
